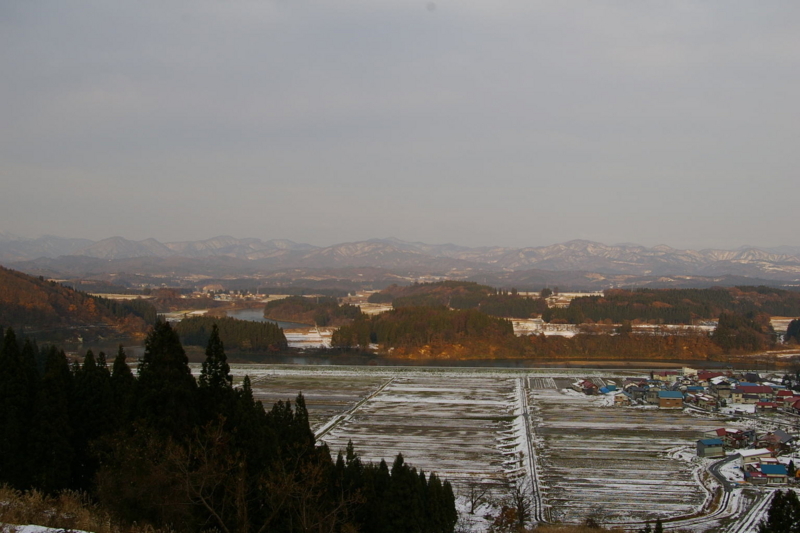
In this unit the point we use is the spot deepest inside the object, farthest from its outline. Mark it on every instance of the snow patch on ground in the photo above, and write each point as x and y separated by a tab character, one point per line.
12	528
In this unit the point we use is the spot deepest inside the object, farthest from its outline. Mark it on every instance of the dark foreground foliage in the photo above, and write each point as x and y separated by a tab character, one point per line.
783	515
165	449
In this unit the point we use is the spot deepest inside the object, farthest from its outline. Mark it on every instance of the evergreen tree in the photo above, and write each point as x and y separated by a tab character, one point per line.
52	441
123	385
659	527
215	373
166	389
793	331
17	398
92	415
783	515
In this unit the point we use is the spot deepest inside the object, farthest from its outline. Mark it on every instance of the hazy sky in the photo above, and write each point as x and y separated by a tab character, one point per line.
512	123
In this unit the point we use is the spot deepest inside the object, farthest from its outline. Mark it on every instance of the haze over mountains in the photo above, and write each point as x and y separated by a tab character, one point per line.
229	255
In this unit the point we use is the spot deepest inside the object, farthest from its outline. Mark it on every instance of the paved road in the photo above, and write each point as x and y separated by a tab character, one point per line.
714	469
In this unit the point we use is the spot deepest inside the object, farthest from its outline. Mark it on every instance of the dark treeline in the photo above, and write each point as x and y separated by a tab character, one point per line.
442	332
136	307
677	306
744	334
462	295
793	331
302	291
165	449
243	335
319	310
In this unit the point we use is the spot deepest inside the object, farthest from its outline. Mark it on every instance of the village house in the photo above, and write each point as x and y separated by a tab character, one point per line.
710	448
766	406
668	399
622	398
705	401
636	392
706	377
736	395
756	477
585	386
736	438
764	393
668	376
651	395
778	441
750	457
752	377
721	388
776	474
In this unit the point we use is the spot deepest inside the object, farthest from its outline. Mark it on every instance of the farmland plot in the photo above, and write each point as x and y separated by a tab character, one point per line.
611	461
459	426
326	395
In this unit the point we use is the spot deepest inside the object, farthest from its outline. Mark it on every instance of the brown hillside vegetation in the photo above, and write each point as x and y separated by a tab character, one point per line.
35	303
441	333
318	310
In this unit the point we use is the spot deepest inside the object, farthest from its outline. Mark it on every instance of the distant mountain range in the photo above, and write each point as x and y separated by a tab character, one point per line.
234	256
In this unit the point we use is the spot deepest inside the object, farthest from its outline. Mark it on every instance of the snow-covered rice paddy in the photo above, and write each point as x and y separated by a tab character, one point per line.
608	461
578	454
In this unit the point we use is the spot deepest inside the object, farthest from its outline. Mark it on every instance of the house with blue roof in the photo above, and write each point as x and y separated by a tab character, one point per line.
710	448
670	399
776	474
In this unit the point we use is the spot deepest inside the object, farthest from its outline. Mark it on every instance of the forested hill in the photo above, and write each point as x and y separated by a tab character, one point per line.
442	333
35	303
462	295
318	310
678	306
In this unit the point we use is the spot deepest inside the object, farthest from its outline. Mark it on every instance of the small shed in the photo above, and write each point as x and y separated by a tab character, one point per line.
669	399
710	448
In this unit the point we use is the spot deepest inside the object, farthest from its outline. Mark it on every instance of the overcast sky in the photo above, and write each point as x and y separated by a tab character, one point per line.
515	123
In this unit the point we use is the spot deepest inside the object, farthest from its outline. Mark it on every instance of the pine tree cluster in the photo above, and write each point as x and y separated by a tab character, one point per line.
783	515
164	449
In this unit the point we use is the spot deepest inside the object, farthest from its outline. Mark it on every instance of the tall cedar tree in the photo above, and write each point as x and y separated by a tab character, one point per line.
92	414
17	396
167	391
53	440
783	515
124	386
